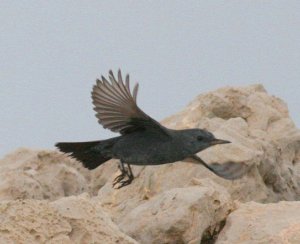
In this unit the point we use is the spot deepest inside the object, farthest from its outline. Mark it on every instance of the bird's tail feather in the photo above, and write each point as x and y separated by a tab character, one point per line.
85	152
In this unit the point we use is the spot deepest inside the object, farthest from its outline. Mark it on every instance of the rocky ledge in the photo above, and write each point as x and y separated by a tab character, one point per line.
46	197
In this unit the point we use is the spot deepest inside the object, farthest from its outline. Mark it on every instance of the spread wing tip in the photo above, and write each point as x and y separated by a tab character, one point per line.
116	106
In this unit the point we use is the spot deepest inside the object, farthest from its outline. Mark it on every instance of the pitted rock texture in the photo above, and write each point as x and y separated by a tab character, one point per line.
33	174
183	214
173	203
75	219
263	223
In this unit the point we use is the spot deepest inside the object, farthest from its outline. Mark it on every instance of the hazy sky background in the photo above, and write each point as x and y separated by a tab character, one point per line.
51	52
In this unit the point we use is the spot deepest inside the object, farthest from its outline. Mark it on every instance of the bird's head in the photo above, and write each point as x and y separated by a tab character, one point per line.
199	140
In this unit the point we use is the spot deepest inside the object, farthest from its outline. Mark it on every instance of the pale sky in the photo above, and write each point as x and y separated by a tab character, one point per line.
51	52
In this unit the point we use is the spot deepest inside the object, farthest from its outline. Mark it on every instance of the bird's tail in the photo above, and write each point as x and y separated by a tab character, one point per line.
88	153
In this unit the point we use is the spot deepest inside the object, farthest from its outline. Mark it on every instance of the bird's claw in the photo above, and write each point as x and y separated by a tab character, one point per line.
124	183
119	178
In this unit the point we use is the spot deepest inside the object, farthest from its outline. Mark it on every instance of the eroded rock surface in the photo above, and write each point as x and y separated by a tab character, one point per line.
181	214
234	114
263	223
173	203
33	174
75	219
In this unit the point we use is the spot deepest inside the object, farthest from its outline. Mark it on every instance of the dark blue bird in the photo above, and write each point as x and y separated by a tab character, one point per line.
143	140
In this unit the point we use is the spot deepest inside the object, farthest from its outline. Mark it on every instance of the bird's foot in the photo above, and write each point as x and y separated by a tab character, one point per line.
124	182
119	178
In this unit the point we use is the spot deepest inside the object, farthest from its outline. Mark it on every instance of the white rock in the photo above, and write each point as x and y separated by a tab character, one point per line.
40	175
76	219
255	223
180	215
263	136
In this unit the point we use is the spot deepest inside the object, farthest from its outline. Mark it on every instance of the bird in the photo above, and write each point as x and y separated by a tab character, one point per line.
142	140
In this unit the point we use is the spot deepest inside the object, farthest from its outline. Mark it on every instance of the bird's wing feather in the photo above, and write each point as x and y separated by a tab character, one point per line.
116	107
228	170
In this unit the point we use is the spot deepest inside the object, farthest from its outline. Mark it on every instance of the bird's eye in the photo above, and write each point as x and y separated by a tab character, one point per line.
199	138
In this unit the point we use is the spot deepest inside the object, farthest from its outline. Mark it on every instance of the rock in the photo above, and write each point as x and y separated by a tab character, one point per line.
263	223
263	137
262	134
76	219
101	175
31	221
28	174
180	215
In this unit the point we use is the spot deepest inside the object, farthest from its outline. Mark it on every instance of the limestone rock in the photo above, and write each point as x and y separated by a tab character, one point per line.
263	223
101	175
75	219
180	215
263	136
29	174
31	221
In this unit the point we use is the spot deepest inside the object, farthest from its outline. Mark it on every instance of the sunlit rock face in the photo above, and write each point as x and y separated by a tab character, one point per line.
173	203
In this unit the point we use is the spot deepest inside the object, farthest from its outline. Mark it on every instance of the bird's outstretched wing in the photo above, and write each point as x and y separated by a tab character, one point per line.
116	107
228	170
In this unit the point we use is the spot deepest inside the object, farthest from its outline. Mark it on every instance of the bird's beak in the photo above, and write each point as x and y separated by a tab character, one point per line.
218	141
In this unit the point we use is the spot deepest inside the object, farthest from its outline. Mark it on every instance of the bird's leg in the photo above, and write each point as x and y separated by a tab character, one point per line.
129	180
122	175
130	174
125	172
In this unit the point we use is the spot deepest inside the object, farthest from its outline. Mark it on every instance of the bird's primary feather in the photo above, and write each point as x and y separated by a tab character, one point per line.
116	107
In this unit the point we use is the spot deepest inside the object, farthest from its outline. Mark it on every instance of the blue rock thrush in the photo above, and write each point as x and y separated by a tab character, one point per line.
143	140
